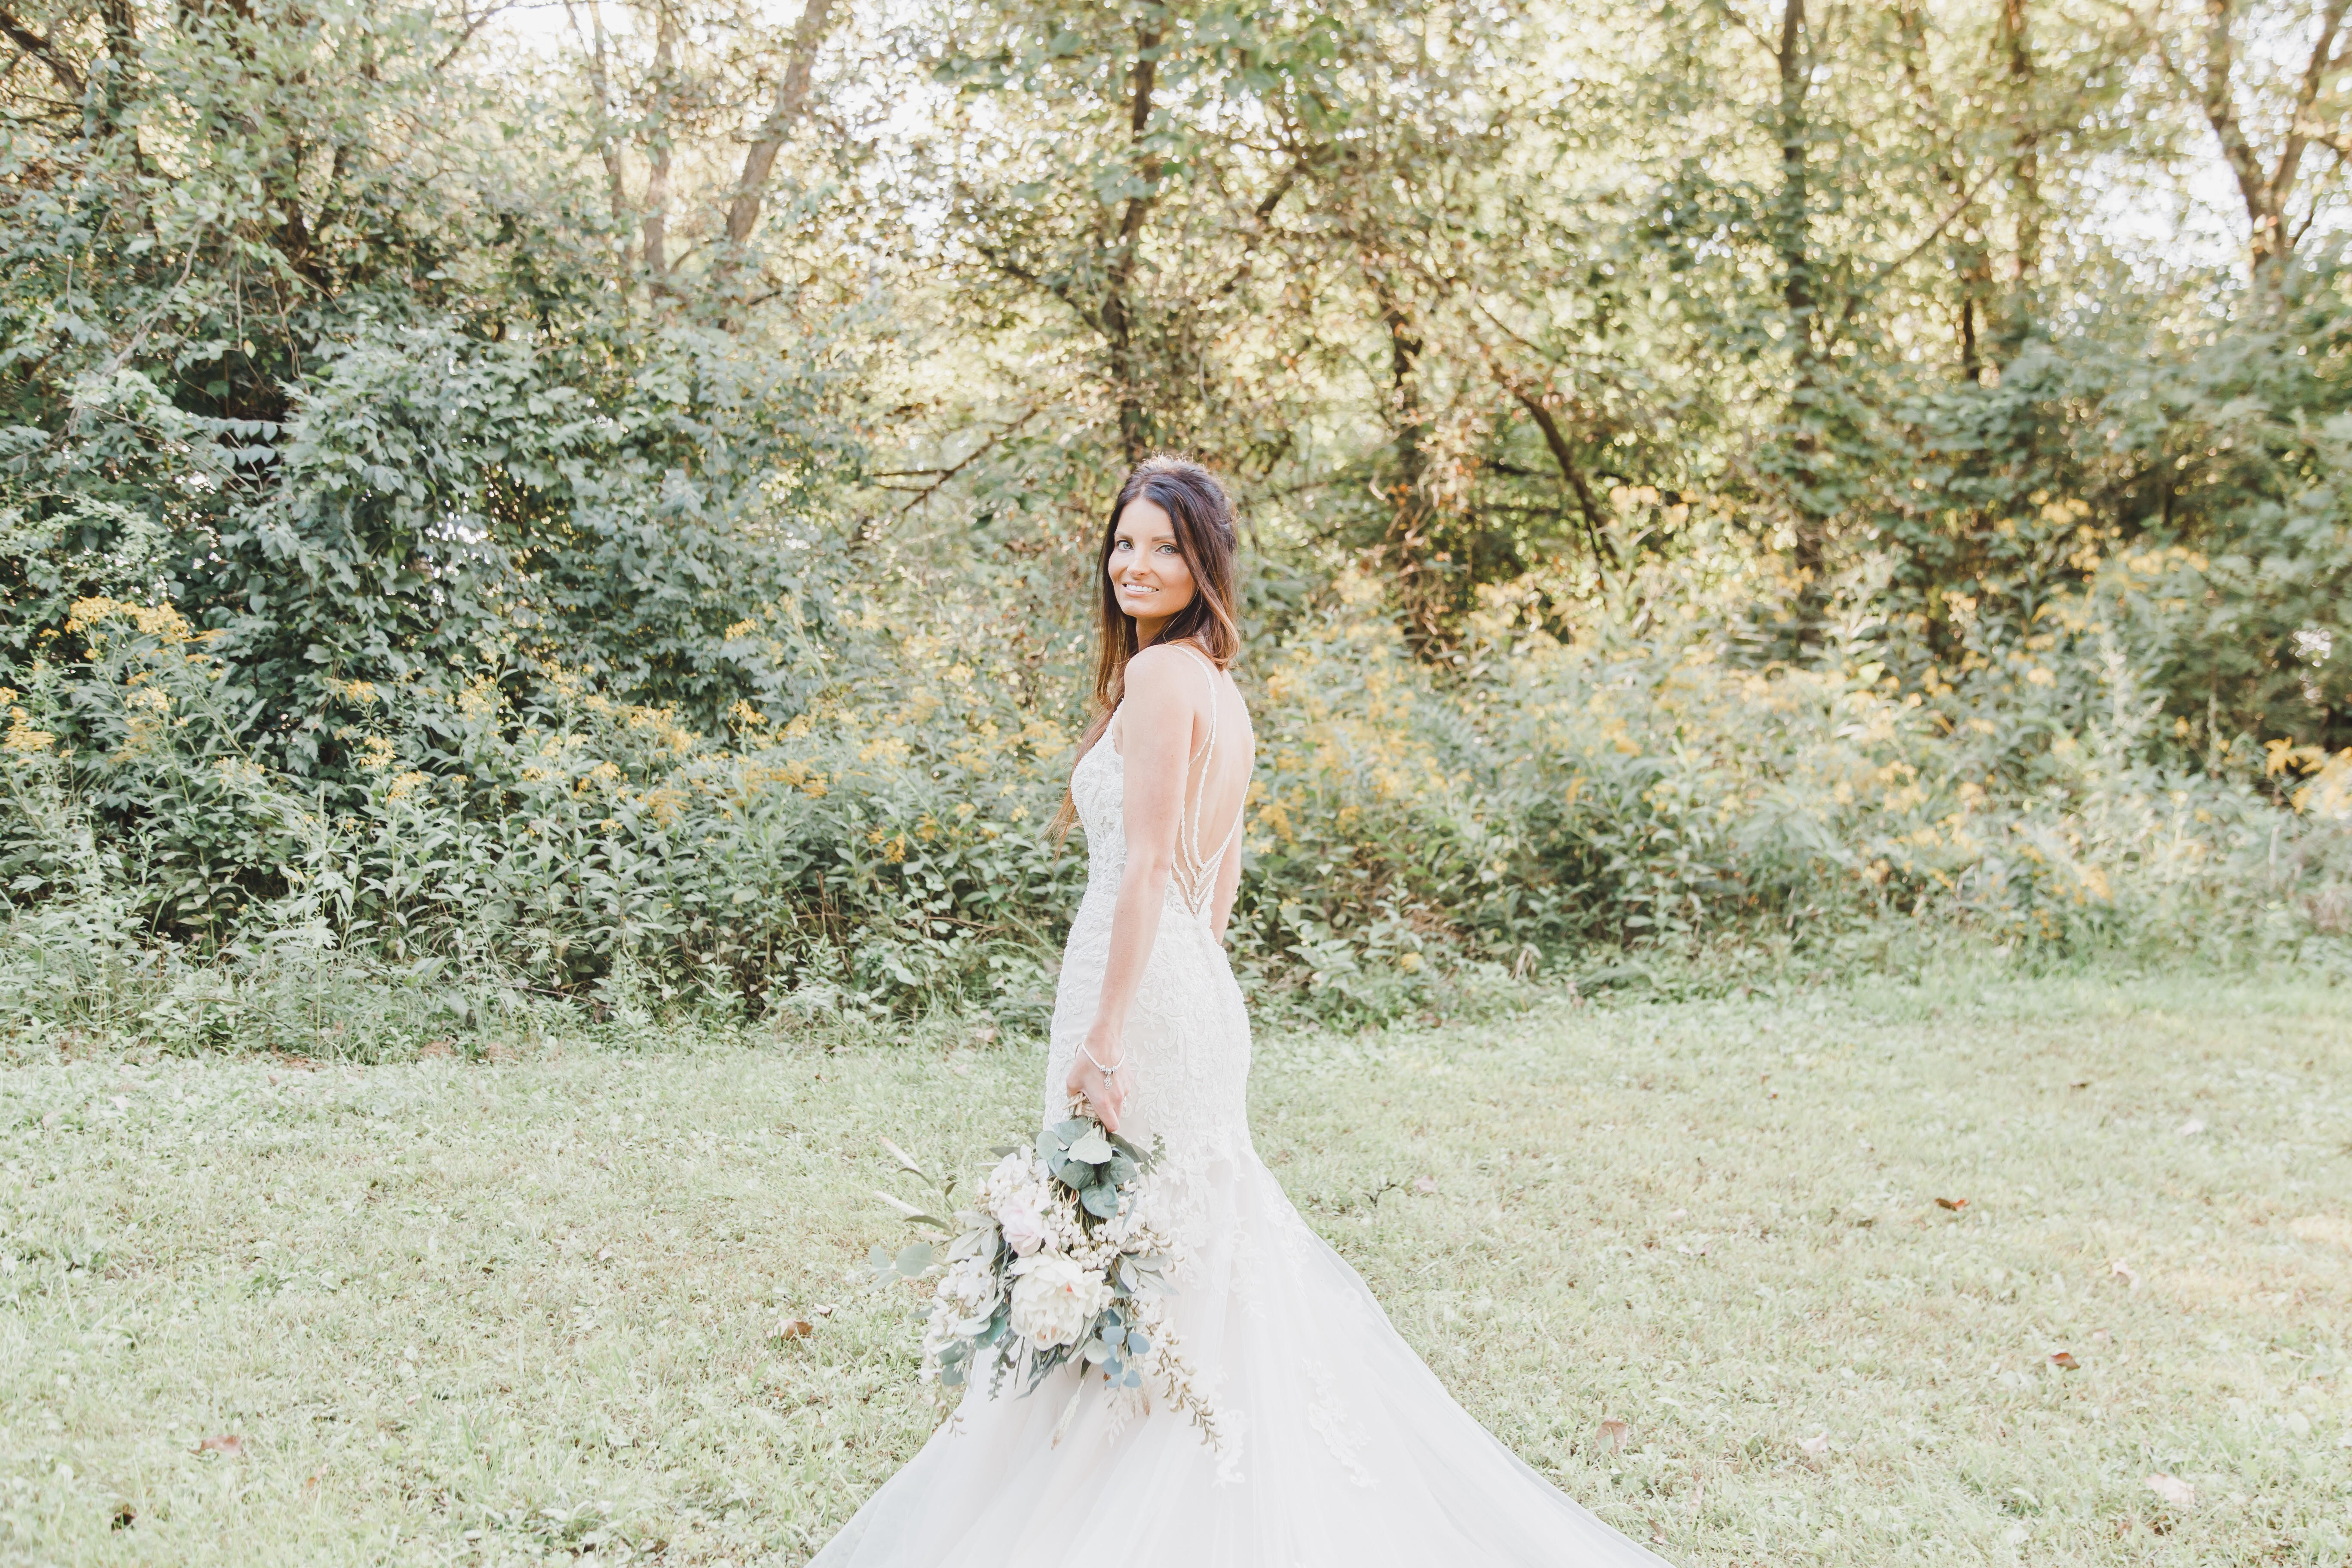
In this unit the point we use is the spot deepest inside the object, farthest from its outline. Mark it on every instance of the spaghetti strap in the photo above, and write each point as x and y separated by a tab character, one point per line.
1195	875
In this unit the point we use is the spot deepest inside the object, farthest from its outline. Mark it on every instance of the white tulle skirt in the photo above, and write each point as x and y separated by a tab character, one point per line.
1341	1450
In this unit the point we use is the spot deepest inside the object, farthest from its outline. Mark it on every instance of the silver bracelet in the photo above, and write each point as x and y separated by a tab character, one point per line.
1109	1072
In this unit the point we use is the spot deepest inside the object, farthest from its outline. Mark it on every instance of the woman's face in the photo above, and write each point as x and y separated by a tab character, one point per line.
1147	570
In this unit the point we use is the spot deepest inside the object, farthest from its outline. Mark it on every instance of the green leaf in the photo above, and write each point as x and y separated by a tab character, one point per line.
912	1261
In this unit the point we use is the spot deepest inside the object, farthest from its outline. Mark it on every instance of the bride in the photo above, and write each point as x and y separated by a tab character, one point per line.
1339	1450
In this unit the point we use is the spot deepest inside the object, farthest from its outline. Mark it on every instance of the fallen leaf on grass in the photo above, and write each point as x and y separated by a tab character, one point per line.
2189	1128
2121	1271
124	1516
1816	1445
2065	1360
2174	1491
1613	1432
1425	1185
1955	1205
796	1328
229	1446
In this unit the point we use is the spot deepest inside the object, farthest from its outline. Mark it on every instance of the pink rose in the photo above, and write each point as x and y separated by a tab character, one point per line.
1024	1226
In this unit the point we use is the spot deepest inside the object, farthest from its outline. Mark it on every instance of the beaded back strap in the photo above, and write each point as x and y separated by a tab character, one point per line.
1195	875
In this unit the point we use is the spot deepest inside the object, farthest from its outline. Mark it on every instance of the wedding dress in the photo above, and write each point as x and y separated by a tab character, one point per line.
1340	1450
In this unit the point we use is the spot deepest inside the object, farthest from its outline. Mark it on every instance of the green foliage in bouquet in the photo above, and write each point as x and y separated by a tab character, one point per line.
1061	1260
1094	1165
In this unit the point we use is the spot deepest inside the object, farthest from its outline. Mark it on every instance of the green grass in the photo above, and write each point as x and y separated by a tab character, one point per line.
487	1312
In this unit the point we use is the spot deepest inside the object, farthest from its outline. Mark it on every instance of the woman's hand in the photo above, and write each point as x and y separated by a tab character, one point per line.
1107	1095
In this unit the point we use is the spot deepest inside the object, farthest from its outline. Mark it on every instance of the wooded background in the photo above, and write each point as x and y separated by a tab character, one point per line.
590	503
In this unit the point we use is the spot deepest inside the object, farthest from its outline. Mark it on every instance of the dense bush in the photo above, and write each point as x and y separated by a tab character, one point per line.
442	576
1635	789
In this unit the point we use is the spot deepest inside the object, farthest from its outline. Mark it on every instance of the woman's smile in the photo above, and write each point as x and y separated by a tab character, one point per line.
1147	567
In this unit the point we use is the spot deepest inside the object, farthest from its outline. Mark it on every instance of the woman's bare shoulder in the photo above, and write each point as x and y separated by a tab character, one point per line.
1162	662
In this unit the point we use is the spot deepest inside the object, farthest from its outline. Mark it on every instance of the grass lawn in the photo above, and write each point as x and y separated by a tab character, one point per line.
1816	1255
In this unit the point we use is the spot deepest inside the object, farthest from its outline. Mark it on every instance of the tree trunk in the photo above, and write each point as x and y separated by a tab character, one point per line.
1405	544
656	214
608	146
1972	256
2015	43
1135	432
743	212
1792	220
2267	193
1792	225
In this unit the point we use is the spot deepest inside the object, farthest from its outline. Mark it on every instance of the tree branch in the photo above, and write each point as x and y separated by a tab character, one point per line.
974	456
1888	270
2321	65
1564	456
2217	96
607	148
792	97
43	50
466	36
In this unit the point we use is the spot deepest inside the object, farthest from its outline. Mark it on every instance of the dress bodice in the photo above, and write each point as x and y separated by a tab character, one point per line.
1098	788
1187	1037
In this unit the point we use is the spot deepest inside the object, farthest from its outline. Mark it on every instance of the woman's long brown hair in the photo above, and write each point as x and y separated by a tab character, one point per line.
1203	520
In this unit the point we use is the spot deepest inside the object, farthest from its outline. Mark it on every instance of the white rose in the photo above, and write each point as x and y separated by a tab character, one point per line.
1054	1301
967	1298
1024	1226
1014	1174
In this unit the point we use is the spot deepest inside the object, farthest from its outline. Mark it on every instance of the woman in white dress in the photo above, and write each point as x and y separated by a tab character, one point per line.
1339	1450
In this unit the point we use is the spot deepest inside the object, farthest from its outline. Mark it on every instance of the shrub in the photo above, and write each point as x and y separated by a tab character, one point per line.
525	839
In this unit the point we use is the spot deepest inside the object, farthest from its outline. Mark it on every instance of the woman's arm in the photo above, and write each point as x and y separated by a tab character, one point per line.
1155	745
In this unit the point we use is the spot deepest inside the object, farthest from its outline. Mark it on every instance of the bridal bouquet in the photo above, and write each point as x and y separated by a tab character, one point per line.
1060	1258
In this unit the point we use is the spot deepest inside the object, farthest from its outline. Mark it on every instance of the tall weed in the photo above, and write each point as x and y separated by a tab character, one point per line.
1638	795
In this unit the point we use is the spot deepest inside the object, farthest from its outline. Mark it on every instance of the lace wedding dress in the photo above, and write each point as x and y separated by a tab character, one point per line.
1341	1450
